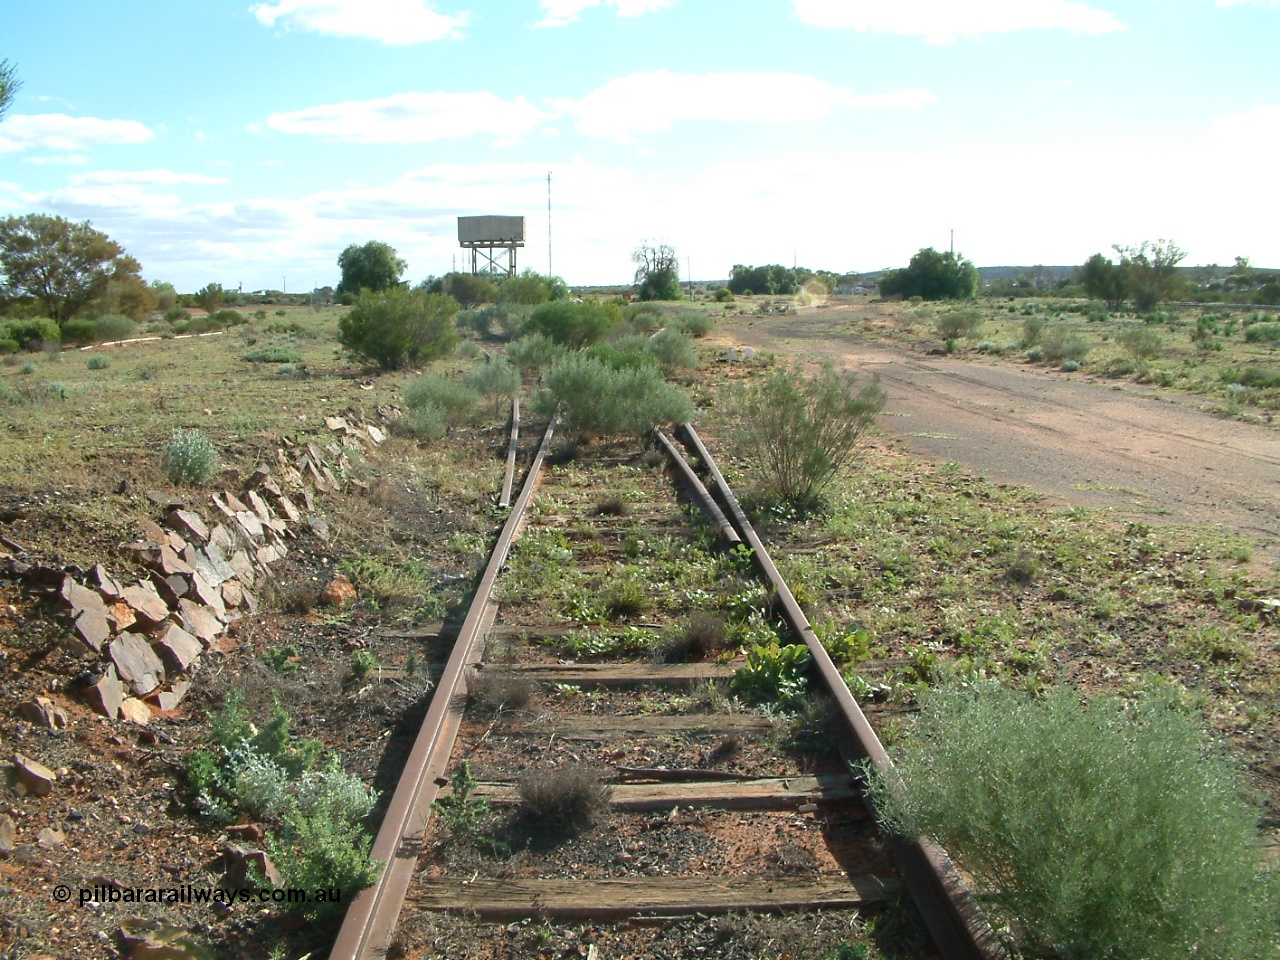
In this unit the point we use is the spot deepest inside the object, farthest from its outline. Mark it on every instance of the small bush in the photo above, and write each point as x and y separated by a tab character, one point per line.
393	328
276	354
1070	366
426	423
626	599
570	324
114	326
702	636
7	346
1142	343
1253	377
497	381
1035	355
98	362
567	798
189	457
958	322
594	397
1262	333
723	295
454	399
78	333
803	431
1107	831
673	350
773	673
28	367
494	690
1060	344
696	323
175	314
535	352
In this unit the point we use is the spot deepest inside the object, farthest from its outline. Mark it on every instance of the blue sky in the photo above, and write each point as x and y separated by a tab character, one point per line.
249	142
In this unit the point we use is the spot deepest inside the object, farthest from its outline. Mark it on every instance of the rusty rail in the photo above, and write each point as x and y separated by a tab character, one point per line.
508	480
957	924
370	922
723	527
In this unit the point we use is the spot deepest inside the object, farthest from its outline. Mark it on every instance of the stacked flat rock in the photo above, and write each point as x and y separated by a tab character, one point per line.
150	635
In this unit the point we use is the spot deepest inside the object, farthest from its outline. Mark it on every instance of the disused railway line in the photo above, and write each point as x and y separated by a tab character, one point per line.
826	801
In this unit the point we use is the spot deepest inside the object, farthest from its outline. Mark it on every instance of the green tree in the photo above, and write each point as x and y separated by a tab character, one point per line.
166	295
469	289
657	272
62	265
772	278
1151	271
396	327
9	86
209	297
371	266
933	276
1103	280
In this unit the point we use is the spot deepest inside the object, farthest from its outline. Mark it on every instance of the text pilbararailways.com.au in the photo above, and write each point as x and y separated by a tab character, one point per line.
194	895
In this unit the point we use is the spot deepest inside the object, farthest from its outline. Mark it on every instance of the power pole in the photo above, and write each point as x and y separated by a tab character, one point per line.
953	242
549	223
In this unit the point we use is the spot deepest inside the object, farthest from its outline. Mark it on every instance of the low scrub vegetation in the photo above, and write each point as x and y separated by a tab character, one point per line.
394	328
594	397
565	799
190	457
1105	830
571	324
802	431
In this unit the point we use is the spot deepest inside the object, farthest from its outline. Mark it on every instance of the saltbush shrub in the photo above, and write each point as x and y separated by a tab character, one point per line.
113	326
1262	333
190	457
273	354
1061	344
594	397
535	352
98	362
696	323
174	314
393	328
1105	831
673	350
802	431
1142	343
569	323
957	322
497	381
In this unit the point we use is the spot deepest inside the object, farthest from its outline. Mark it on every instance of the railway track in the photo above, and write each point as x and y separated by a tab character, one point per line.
583	766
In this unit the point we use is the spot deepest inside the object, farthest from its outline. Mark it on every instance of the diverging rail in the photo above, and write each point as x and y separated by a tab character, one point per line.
957	924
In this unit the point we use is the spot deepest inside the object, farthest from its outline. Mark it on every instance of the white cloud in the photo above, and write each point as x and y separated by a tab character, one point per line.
413	118
69	159
57	131
1247	3
145	178
392	22
942	21
559	13
650	102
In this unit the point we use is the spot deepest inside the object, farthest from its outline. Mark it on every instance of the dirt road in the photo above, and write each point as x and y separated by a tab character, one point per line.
1154	457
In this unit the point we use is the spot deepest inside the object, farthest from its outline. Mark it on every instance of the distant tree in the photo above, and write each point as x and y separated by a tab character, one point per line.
209	297
933	276
1104	280
126	293
9	86
371	266
657	272
396	327
166	295
64	266
1151	271
772	278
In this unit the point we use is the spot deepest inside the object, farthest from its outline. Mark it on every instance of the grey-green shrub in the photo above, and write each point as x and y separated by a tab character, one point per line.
535	352
958	322
79	333
98	362
174	314
497	381
113	326
571	324
31	334
7	346
802	431
1142	343
1106	831
1262	333
455	398
696	323
673	350
273	354
1060	344
595	397
190	457
1032	327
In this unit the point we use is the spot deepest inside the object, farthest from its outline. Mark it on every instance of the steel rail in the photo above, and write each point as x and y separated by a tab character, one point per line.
508	480
370	921
959	929
700	491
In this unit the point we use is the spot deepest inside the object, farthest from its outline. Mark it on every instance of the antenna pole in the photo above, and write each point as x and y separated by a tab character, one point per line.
549	223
